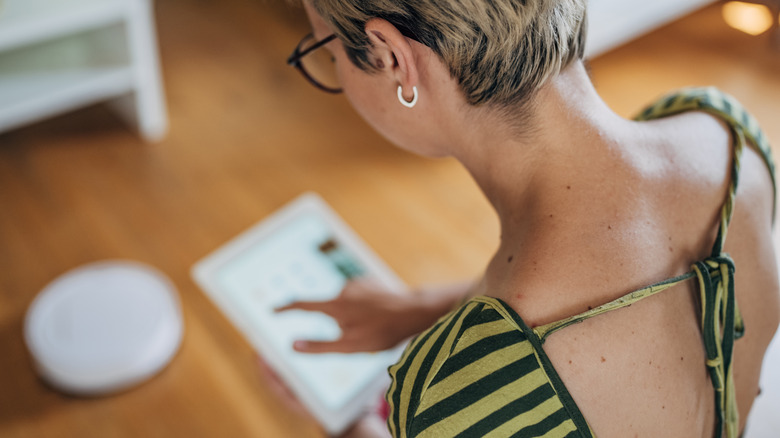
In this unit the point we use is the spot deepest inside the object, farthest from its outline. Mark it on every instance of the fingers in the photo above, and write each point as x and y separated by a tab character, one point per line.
309	306
347	344
351	290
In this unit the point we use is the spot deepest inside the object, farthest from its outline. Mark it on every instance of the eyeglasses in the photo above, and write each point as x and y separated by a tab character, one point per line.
318	66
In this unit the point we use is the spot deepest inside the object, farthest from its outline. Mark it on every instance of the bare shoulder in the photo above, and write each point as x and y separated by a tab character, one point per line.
702	149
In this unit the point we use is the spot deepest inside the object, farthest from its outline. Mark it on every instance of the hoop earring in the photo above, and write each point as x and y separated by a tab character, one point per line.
403	101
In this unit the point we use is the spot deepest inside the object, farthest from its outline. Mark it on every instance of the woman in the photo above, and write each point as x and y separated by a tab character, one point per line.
591	207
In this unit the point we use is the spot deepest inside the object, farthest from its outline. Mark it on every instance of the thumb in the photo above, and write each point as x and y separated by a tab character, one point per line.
317	347
309	306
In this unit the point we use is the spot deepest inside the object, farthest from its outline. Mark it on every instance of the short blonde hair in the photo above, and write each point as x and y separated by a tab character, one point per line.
500	51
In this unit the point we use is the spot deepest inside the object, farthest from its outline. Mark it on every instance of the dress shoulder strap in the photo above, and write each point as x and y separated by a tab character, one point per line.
744	128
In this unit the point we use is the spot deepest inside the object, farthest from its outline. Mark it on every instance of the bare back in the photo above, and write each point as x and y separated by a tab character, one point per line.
640	371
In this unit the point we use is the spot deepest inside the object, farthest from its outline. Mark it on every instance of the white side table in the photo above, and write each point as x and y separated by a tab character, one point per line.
59	55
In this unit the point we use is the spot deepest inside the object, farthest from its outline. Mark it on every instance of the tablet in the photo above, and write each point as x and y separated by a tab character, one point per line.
302	252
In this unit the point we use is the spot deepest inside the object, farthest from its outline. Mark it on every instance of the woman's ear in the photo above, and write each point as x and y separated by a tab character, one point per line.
392	53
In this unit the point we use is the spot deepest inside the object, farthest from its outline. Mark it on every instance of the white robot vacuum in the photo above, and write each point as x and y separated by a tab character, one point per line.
104	327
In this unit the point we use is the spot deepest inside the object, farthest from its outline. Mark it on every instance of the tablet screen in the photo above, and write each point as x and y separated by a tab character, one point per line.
301	261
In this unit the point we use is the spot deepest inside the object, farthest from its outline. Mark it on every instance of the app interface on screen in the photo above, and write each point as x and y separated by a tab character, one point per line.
301	261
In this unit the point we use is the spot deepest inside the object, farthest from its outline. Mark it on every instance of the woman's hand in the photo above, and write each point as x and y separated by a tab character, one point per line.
371	319
374	319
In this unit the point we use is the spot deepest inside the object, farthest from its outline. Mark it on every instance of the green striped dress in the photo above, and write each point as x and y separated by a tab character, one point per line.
481	371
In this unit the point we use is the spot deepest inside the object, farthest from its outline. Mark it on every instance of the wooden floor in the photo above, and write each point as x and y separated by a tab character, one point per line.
248	134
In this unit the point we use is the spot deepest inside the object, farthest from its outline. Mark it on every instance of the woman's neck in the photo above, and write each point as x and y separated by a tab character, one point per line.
526	174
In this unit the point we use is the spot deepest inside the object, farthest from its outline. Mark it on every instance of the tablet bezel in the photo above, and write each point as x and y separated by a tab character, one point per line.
204	273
